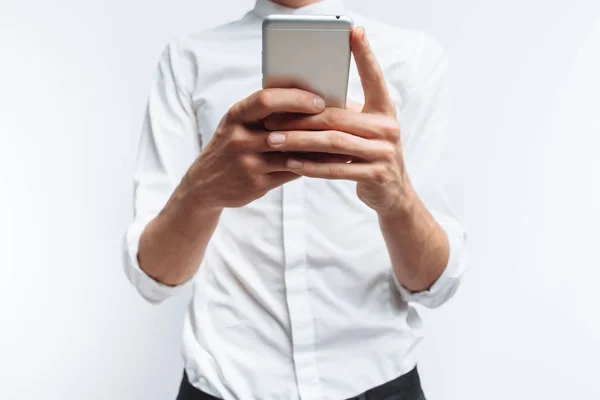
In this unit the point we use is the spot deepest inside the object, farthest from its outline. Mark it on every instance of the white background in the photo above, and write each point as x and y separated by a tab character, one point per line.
73	81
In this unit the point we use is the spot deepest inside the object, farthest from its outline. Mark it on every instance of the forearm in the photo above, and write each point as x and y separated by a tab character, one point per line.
173	244
417	244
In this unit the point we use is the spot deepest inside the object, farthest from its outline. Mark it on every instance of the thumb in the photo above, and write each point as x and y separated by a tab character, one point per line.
377	97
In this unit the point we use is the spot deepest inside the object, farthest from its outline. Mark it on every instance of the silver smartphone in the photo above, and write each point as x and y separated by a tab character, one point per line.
310	52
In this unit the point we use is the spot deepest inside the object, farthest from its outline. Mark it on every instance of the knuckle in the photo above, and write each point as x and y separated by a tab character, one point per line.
337	140
336	171
379	173
378	75
238	140
233	113
236	112
388	152
264	98
390	129
250	163
334	115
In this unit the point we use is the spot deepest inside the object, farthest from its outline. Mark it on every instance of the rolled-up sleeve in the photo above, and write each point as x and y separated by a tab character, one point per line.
447	284
424	120
168	145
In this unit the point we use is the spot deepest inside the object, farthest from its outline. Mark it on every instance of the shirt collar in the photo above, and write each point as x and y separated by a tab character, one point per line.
266	7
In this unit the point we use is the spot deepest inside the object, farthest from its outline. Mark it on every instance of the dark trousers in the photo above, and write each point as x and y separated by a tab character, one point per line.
405	387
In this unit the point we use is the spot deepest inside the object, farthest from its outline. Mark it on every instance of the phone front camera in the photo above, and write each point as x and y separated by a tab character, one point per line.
337	16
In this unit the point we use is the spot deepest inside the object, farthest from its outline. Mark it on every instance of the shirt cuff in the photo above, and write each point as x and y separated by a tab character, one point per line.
447	284
151	290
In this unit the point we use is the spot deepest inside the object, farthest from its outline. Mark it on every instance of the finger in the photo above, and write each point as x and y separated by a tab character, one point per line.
254	142
273	162
276	179
369	126
332	142
277	162
377	97
265	102
354	172
325	157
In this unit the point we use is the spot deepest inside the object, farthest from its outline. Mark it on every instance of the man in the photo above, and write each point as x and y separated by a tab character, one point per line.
302	266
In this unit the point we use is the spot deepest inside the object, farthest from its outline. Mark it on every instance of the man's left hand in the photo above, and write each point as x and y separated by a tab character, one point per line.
370	136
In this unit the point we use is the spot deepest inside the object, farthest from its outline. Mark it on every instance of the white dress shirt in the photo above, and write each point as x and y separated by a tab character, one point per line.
295	297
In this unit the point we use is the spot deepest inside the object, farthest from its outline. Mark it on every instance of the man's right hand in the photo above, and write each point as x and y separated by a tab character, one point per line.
238	165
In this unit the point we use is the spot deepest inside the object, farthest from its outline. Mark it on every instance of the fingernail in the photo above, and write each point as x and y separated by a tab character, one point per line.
276	138
294	164
319	103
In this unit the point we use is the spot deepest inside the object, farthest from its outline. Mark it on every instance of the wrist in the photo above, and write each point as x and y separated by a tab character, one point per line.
402	208
187	211
194	199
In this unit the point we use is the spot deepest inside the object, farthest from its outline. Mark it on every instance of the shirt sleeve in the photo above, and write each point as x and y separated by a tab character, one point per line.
424	123
169	144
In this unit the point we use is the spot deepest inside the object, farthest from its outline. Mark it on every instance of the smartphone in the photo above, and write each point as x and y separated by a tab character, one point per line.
309	52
